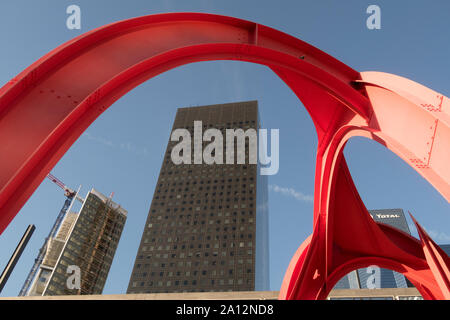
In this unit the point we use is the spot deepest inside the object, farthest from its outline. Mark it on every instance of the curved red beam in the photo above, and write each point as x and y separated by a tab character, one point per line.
49	105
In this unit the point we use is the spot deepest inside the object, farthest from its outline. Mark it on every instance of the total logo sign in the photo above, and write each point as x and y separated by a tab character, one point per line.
386	216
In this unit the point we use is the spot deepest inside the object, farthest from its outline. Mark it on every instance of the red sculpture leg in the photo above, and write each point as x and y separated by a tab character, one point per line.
437	259
352	240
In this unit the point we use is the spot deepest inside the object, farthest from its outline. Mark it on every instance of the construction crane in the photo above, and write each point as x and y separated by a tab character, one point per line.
67	191
70	196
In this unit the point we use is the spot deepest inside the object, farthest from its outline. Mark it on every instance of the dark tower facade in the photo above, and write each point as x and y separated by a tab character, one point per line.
207	228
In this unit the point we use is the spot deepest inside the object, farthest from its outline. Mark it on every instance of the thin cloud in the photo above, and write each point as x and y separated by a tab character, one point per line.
125	146
133	149
439	237
100	140
290	192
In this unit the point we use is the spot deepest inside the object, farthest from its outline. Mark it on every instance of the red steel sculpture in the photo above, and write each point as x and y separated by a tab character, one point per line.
51	103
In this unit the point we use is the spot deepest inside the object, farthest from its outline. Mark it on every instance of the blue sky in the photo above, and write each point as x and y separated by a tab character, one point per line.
122	151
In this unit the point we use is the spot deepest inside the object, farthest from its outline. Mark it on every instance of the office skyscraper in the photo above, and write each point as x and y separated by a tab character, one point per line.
446	248
85	242
207	228
374	277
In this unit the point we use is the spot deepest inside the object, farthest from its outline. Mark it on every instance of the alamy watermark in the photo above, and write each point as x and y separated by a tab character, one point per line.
73	282
213	153
374	280
374	20
74	19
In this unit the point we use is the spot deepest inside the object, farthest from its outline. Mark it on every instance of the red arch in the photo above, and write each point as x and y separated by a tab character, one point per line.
48	106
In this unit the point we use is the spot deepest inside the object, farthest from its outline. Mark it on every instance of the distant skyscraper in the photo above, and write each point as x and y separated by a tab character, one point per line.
86	241
207	229
393	217
367	278
446	248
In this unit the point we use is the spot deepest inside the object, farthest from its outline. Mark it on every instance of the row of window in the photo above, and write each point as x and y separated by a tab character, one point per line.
156	268
189	273
196	215
198	208
164	264
163	228
195	231
176	254
207	245
215	125
220	187
170	283
200	237
202	182
182	114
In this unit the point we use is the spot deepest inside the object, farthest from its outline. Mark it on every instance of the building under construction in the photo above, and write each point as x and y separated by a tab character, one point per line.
78	253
